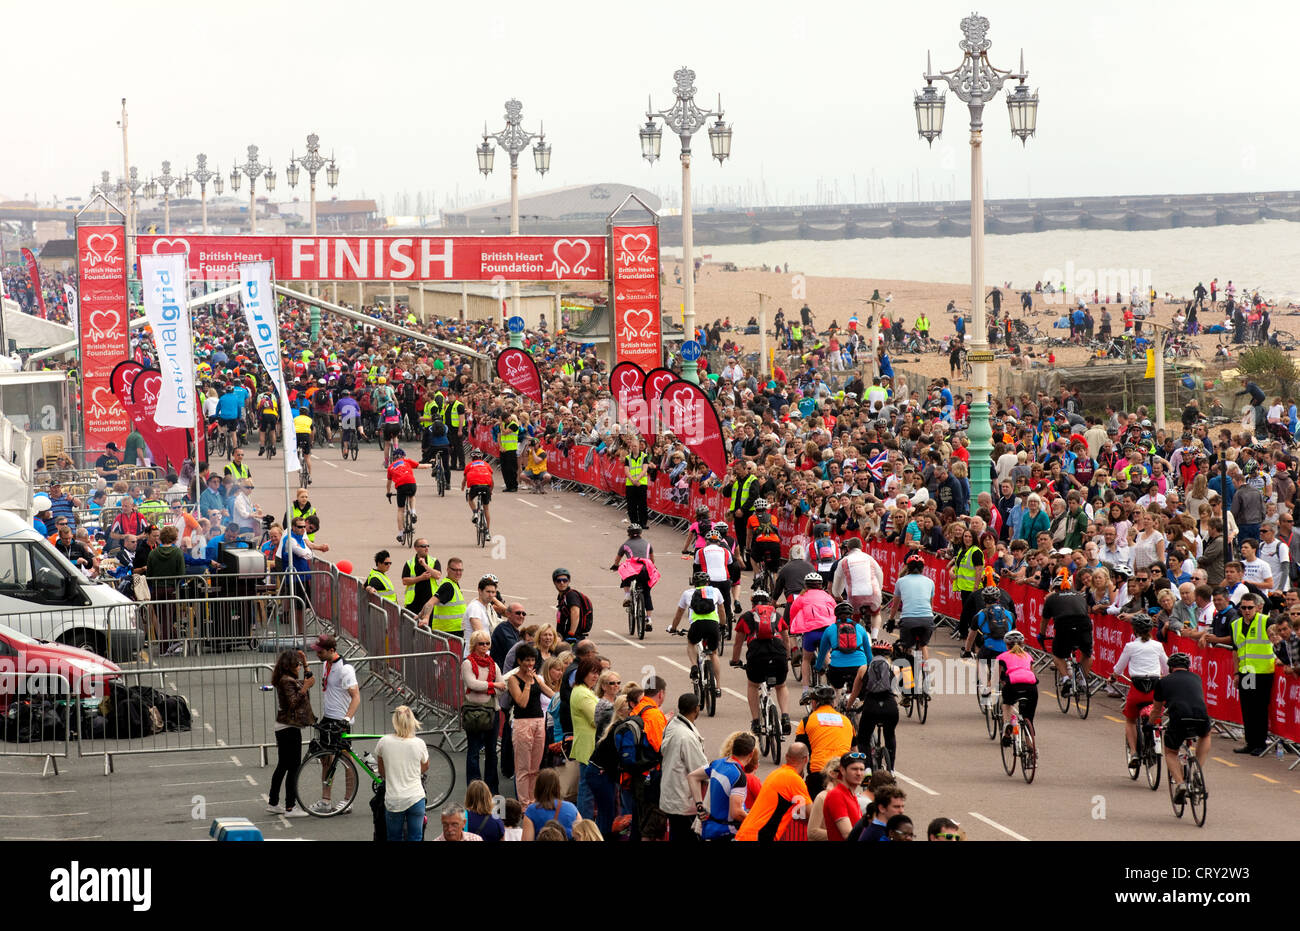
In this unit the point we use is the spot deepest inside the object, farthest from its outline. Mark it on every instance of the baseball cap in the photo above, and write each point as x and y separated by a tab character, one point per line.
325	642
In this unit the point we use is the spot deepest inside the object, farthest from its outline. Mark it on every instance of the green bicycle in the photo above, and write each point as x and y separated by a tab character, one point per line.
335	767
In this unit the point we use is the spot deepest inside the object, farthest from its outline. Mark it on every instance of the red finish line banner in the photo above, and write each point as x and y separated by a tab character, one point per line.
637	328
392	258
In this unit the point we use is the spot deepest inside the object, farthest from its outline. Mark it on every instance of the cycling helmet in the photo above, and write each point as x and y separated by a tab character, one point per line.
823	694
1059	581
992	595
383	380
761	504
720	526
700	578
760	596
399	453
713	536
489	577
822	530
1123	571
634	530
914	559
1180	661
321	382
701	512
843	609
814	579
561	573
1012	637
1141	625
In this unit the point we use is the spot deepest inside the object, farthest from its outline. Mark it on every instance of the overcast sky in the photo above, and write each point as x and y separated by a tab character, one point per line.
1137	97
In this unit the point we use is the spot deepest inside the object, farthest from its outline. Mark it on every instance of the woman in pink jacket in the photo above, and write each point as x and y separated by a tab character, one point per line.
812	611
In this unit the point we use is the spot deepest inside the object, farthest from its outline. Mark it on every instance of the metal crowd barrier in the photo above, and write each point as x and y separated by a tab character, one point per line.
27	715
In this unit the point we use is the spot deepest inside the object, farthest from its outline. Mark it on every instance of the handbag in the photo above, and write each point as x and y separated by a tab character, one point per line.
569	772
140	588
476	718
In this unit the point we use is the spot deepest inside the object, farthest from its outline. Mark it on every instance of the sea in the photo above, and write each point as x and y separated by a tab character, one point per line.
1263	256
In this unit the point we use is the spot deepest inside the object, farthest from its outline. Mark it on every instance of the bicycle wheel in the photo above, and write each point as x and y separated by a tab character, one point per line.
640	616
1062	697
1196	793
631	617
796	667
991	712
908	701
922	703
327	783
880	755
697	685
1151	763
1179	807
1082	694
774	734
440	779
1009	756
1129	755
710	686
1028	751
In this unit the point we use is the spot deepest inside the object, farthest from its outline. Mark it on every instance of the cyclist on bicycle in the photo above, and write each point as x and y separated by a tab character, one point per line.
1143	661
435	443
635	561
268	418
390	419
1017	681
765	635
715	561
230	406
302	433
764	539
992	626
702	601
696	531
913	604
349	414
323	408
478	478
875	683
810	614
1183	693
823	552
1073	629
849	647
859	579
827	734
401	478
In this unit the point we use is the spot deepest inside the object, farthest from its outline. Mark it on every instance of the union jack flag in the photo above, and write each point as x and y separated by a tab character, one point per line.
876	465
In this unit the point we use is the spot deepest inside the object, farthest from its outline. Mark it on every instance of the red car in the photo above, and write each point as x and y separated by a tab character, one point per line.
37	668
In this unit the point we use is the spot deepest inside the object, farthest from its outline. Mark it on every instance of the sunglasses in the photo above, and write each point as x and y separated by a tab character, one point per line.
561	581
520	613
947	835
856	756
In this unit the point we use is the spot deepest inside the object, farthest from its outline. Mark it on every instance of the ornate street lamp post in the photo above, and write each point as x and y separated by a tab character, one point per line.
253	169
313	162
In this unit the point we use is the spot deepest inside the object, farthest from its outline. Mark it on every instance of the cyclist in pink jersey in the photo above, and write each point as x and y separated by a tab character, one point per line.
1017	680
812	611
696	532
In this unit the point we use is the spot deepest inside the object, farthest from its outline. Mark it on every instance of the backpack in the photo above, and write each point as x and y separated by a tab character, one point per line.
702	603
879	677
846	636
997	621
437	429
586	616
391	414
615	755
765	622
266	403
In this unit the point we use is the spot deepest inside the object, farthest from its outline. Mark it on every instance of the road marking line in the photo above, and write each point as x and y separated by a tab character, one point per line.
1112	718
61	814
631	643
913	782
209	782
234	759
357	474
943	652
195	763
558	517
672	662
1223	761
328	463
81	837
735	693
522	501
251	780
991	823
54	792
1265	778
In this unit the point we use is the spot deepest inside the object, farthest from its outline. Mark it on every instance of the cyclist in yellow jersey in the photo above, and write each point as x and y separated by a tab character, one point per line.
302	427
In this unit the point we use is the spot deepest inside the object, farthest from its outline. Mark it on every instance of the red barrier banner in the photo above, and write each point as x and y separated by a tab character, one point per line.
634	274
1285	720
1109	634
392	258
102	319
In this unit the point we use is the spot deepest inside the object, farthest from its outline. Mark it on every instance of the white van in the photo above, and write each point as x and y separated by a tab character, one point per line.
46	597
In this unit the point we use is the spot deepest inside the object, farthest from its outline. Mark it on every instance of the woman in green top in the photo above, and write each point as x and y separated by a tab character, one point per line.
582	701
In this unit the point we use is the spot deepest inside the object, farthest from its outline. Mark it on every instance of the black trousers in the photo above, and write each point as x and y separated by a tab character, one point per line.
288	746
638	512
742	528
682	828
1255	705
509	469
457	448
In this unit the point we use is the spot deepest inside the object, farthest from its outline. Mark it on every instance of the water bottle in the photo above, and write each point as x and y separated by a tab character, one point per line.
371	761
1281	753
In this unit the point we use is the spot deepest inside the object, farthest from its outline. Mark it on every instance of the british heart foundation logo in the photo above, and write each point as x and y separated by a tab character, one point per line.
104	323
101	248
635	247
567	258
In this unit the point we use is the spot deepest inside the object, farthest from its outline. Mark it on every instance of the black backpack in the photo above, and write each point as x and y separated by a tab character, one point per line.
702	603
998	622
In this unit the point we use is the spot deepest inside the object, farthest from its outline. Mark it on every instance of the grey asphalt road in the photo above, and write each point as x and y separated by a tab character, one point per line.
949	766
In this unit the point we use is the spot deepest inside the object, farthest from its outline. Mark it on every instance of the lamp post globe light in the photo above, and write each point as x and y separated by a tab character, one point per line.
253	169
203	174
514	139
163	184
126	188
105	187
975	82
313	162
686	119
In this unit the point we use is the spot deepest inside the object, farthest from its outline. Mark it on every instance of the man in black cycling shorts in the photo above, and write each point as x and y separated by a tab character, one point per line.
401	478
1183	693
765	635
1069	610
478	478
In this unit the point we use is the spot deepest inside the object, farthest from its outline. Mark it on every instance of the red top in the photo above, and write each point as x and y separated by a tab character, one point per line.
478	473
840	803
401	472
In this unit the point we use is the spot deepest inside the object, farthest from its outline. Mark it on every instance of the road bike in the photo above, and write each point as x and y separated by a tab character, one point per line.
877	753
1021	745
1193	778
304	470
989	706
916	693
390	451
408	522
481	524
1074	685
1147	753
325	765
348	441
770	733
221	444
635	611
440	475
763	580
703	683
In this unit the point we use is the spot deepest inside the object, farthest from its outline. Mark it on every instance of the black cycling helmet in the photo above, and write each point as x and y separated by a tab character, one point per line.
399	453
992	595
843	609
699	578
561	573
1141	625
1180	661
760	597
822	530
634	530
701	511
823	694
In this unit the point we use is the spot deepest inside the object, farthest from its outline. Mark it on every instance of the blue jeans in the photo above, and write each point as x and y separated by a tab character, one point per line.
586	801
406	825
602	791
486	741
